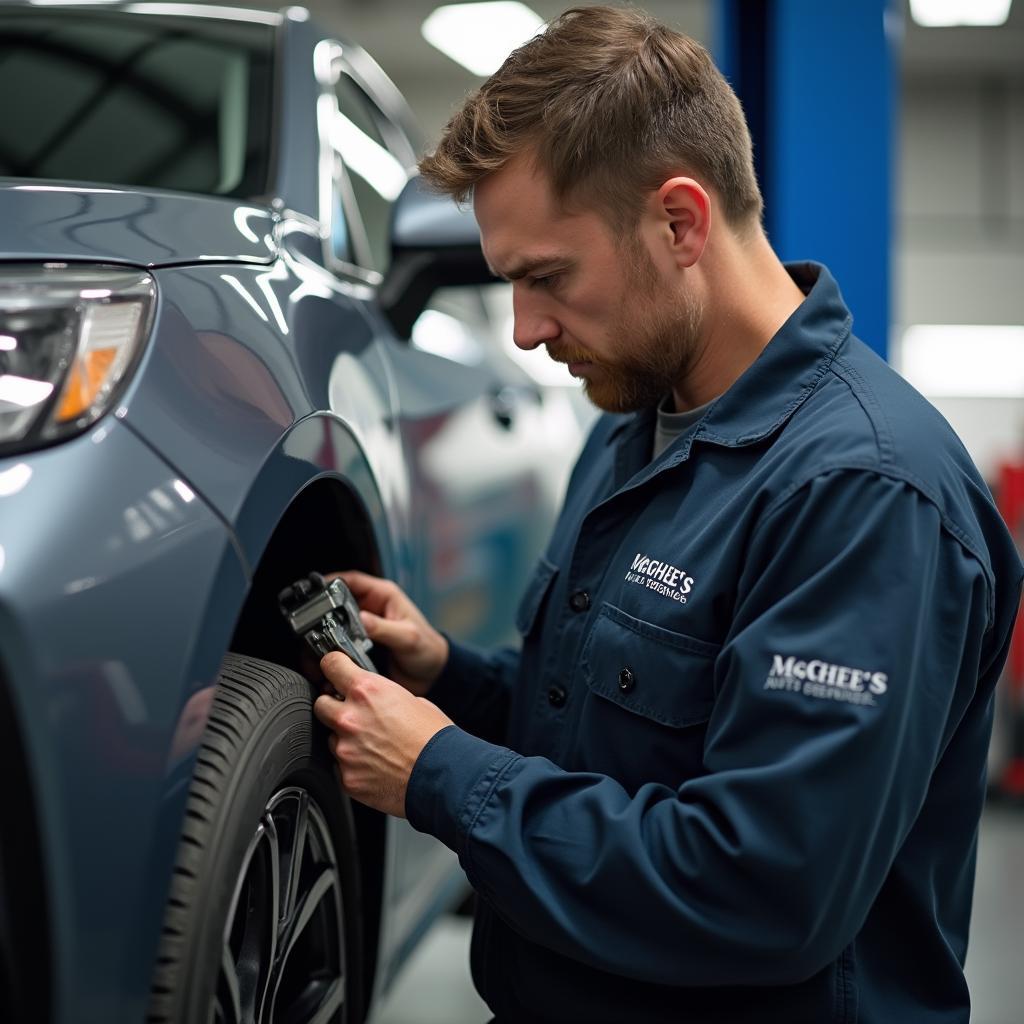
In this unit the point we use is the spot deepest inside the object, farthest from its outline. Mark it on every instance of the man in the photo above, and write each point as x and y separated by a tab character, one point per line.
735	772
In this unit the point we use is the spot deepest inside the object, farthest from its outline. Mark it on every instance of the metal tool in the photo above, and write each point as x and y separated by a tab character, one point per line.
327	616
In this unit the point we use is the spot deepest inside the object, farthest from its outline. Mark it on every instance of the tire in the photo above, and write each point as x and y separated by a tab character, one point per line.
263	777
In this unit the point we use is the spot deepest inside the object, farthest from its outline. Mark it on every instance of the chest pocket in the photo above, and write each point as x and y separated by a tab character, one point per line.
649	694
536	590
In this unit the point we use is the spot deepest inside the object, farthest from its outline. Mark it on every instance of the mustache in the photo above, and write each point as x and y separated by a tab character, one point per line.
567	354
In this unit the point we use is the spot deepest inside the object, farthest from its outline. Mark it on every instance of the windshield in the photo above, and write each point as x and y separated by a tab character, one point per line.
160	102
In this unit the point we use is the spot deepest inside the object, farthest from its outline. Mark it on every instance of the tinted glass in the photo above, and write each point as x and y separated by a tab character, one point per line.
177	103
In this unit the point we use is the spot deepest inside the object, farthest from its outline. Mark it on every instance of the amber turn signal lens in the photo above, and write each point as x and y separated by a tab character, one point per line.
86	379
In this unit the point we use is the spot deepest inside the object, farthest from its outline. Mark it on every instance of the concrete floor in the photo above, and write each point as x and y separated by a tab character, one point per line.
435	987
995	957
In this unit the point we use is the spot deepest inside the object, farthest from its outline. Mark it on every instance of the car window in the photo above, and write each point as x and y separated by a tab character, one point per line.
341	202
160	102
375	175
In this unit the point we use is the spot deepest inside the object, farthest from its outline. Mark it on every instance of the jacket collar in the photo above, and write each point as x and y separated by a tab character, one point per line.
774	386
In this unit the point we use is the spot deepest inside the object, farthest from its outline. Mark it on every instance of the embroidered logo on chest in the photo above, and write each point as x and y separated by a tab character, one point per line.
662	577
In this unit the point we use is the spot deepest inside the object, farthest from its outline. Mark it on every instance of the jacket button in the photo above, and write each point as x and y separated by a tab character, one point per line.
579	601
556	696
626	680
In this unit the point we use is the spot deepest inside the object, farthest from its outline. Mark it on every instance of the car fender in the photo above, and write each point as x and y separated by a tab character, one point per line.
255	381
322	446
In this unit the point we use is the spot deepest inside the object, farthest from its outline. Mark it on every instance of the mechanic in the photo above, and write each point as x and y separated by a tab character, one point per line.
735	771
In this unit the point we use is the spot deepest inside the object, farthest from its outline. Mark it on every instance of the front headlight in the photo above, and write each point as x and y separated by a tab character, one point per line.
70	335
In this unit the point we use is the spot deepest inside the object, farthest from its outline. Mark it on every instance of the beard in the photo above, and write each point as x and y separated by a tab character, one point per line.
658	341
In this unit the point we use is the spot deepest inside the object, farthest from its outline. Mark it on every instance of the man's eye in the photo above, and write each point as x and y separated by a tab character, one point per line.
544	281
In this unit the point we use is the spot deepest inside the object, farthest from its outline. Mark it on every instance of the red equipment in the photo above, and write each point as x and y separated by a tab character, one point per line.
1010	499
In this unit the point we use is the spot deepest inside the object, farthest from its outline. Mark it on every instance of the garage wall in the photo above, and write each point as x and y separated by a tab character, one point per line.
959	239
961	206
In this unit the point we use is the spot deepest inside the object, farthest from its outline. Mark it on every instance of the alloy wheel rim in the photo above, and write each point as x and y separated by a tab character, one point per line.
282	958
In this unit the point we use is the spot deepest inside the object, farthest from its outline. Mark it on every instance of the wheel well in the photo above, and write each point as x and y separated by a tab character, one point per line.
324	529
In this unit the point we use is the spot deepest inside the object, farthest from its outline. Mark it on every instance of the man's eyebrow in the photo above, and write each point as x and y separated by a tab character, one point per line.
530	266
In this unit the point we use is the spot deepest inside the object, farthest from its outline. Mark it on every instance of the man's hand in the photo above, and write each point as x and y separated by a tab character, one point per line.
379	729
418	651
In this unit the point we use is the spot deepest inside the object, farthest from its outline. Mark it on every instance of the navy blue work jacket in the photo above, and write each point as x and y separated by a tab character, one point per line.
735	772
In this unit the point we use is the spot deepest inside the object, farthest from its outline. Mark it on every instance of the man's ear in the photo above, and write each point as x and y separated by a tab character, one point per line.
682	208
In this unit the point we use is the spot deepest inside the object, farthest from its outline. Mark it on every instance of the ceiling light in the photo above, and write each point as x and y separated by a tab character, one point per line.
961	360
480	36
946	13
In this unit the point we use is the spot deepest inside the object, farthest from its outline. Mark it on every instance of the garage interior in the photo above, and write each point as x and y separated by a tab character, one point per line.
904	172
955	256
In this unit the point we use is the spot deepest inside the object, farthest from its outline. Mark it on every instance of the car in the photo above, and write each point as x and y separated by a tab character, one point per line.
239	343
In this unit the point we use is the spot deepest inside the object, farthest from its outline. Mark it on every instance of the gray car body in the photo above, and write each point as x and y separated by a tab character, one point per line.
270	382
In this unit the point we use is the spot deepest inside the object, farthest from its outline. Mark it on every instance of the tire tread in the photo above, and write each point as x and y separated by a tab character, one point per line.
247	690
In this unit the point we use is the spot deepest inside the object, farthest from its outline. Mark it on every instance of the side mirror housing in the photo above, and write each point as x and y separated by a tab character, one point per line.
434	242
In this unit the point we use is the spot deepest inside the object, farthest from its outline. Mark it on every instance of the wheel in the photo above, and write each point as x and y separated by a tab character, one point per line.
263	920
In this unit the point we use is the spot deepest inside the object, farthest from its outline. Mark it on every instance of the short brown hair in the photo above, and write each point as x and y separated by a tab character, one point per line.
610	98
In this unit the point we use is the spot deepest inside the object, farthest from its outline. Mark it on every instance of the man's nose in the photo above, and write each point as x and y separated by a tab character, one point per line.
532	325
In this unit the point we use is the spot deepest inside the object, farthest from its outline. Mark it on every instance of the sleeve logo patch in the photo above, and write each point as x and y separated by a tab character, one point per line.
661	577
825	681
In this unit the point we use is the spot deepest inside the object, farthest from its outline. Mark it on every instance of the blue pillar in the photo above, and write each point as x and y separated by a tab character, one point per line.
818	81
